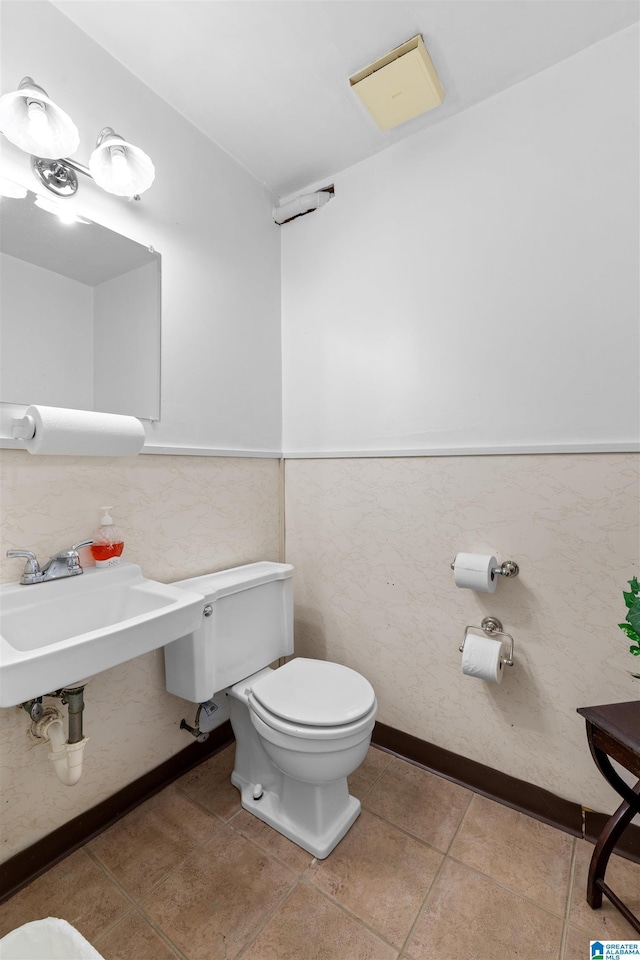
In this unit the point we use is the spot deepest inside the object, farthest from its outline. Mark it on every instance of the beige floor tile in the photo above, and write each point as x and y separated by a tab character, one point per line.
362	779
310	927
271	841
529	857
425	805
133	938
380	874
143	847
216	901
75	890
606	923
210	784
576	945
468	917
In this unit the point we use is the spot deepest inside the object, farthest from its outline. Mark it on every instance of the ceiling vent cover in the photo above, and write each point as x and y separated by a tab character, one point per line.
401	85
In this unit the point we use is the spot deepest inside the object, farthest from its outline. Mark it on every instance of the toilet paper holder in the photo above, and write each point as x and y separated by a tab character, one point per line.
492	627
507	569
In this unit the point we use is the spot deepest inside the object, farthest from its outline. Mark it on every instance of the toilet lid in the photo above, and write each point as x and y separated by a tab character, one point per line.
315	693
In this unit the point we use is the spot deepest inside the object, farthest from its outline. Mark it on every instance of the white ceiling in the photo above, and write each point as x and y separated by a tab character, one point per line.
267	80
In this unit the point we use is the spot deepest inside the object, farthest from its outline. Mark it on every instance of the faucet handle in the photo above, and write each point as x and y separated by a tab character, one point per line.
73	559
70	556
71	552
31	567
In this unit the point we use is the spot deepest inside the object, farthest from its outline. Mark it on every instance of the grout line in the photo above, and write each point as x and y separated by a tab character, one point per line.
567	912
407	833
267	920
135	908
503	886
175	950
377	780
307	882
273	856
428	895
164	877
421	908
200	804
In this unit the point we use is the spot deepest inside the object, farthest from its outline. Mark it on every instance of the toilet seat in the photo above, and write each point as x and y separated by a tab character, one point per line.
313	699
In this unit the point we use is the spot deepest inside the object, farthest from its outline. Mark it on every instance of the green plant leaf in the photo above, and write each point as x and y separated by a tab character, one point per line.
634	584
628	598
630	632
635	651
633	617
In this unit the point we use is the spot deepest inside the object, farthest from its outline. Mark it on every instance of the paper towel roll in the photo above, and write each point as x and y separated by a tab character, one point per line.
83	433
481	658
474	571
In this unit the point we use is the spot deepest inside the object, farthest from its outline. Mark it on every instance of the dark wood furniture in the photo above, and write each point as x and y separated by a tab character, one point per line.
613	730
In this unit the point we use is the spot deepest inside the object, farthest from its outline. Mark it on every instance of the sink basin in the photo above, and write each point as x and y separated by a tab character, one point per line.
55	634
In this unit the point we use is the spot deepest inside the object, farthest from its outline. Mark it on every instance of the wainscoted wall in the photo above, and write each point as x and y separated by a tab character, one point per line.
182	516
372	541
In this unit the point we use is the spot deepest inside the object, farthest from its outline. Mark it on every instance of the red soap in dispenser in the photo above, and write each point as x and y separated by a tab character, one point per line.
107	543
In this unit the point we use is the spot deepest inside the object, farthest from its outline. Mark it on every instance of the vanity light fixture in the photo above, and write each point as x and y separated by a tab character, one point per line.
33	122
30	120
117	166
120	167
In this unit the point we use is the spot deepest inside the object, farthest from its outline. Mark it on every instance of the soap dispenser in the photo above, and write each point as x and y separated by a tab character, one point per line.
107	542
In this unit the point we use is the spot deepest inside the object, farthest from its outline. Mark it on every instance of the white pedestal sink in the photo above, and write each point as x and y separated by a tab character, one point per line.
55	634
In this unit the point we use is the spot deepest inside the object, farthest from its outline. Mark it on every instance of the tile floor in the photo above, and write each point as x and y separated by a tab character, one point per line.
429	870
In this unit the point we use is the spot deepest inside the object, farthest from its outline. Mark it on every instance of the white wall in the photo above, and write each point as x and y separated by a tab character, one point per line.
127	343
475	288
46	336
209	219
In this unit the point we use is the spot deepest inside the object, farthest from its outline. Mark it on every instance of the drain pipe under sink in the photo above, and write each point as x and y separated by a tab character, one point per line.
65	755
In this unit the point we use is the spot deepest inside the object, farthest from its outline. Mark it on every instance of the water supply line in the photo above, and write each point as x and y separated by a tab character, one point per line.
301	205
65	755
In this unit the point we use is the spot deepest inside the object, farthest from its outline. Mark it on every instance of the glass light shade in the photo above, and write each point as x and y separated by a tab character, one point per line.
120	167
33	122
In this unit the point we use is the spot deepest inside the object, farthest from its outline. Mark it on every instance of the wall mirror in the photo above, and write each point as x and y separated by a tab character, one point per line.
79	315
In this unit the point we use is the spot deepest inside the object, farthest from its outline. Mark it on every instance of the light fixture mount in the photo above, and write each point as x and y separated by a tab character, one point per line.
56	175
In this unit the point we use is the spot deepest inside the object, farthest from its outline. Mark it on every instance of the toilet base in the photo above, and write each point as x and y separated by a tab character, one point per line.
325	813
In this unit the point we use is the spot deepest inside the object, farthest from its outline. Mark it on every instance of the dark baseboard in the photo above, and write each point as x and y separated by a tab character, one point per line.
522	796
25	866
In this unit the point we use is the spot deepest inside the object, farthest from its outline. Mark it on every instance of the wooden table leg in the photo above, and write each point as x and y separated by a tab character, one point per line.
607	840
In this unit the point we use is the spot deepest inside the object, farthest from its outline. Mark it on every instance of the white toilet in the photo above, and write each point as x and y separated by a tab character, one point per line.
300	730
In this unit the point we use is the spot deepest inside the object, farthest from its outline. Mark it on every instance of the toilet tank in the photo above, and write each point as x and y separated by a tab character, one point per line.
247	623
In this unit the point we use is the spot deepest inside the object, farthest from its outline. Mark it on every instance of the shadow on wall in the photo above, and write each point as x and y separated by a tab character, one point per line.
309	632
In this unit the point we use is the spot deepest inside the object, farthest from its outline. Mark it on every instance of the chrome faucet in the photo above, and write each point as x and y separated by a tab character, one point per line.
66	563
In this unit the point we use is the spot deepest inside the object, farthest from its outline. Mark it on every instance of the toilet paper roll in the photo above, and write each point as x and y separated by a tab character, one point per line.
475	572
481	658
83	433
